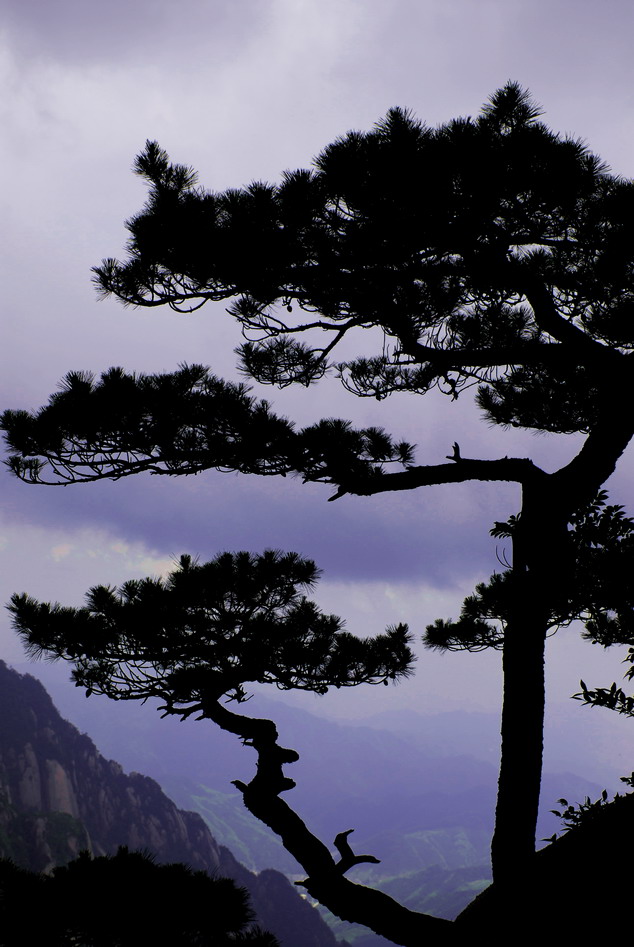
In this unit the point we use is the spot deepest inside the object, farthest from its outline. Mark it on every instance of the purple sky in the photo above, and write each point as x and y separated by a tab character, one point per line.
242	89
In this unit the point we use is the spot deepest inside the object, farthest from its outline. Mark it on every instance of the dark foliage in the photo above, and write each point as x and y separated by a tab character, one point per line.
443	238
488	252
206	631
600	592
181	423
124	900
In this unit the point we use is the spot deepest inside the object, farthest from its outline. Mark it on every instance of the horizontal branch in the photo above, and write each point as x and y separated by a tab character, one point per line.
513	469
531	353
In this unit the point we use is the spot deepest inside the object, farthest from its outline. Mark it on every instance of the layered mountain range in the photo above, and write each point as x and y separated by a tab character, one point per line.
59	795
419	791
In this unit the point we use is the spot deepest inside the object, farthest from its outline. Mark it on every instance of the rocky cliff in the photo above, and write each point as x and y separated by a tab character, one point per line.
58	795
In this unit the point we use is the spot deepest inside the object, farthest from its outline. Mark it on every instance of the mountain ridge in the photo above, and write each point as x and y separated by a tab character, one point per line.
59	795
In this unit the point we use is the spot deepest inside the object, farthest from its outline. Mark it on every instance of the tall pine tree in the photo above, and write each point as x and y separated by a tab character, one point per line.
489	252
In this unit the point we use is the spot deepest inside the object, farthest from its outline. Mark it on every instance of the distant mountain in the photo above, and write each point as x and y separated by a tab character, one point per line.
577	739
576	888
347	777
58	795
413	802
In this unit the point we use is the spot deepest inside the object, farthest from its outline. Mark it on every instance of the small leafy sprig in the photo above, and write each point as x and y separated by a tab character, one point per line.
582	813
586	811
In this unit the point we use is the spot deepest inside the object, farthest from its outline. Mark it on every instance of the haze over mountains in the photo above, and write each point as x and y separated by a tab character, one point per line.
419	790
60	796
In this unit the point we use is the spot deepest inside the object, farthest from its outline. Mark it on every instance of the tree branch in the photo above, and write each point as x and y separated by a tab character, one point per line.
348	858
325	881
517	469
579	480
585	349
531	353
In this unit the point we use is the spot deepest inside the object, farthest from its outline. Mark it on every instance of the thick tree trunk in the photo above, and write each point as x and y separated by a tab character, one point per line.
522	743
539	564
577	890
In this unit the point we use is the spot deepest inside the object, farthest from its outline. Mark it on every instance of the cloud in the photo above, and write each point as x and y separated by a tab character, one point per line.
436	533
61	551
241	90
60	563
90	556
86	31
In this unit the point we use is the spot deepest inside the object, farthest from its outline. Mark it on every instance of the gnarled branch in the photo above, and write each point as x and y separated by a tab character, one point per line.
325	881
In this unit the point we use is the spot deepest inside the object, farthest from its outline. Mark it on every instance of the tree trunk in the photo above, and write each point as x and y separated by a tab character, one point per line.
522	743
537	550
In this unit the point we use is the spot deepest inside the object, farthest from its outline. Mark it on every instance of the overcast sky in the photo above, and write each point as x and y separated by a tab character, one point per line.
241	90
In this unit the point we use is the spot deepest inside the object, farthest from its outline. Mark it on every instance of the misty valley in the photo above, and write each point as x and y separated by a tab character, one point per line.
421	800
